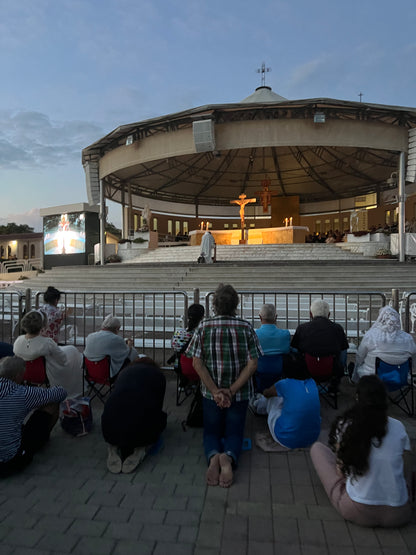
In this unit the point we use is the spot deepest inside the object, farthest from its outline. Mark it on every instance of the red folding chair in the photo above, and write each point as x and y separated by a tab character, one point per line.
321	369
35	372
98	378
187	379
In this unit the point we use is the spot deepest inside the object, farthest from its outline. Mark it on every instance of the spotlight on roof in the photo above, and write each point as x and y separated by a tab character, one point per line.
319	117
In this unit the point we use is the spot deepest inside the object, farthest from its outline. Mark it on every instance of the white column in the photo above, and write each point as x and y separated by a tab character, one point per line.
402	201
102	222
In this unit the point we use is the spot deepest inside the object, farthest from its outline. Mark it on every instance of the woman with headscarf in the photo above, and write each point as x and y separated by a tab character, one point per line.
386	340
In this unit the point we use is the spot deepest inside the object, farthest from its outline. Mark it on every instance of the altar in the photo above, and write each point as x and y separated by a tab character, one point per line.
254	236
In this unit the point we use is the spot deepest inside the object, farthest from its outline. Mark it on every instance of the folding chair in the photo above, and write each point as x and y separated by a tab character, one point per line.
321	370
398	379
35	372
269	371
186	379
98	377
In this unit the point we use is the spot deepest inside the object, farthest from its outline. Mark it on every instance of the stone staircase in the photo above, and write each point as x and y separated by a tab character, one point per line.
316	267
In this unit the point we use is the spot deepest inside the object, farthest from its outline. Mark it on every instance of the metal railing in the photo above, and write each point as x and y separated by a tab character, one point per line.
407	310
148	317
12	306
356	312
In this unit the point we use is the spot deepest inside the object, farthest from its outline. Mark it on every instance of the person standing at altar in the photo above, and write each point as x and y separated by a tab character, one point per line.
208	247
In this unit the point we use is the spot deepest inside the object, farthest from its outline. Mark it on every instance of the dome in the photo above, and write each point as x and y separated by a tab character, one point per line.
263	94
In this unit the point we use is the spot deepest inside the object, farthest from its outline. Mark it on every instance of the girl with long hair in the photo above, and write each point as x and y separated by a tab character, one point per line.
362	470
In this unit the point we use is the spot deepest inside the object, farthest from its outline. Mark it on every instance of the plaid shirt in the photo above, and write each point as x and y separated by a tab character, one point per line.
225	344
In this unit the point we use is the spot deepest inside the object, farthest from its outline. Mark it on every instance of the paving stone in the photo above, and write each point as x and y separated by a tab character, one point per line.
235	527
337	533
114	514
260	529
389	537
110	499
288	549
132	500
209	534
170	503
48	508
289	511
248	508
233	546
195	504
260	548
26	551
126	547
93	484
123	531
87	528
5	530
188	534
213	511
51	523
22	520
322	513
282	493
182	518
311	532
23	537
308	549
160	532
303	494
391	550
286	531
190	490
201	550
92	546
77	510
163	548
159	489
363	537
147	517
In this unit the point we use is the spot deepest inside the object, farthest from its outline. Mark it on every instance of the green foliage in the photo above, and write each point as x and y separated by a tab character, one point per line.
111	228
12	228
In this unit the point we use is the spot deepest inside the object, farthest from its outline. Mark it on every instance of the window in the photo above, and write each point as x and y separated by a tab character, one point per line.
25	251
185	228
235	226
226	226
177	227
252	225
327	225
317	226
135	221
32	251
170	227
154	224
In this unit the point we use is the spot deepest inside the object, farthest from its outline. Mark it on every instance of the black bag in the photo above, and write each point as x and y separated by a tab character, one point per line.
195	418
201	259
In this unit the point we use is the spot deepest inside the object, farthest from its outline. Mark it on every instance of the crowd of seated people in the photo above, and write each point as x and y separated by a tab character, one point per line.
226	351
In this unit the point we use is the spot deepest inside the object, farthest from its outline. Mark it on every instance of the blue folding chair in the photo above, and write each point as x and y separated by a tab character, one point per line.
269	371
398	379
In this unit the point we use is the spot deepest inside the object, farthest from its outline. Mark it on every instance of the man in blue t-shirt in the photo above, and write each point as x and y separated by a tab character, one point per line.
273	340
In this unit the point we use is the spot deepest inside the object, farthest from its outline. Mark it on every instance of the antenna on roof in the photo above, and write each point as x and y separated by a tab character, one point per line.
361	96
263	70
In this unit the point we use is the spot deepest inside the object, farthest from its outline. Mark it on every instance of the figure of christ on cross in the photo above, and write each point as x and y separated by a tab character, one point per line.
242	201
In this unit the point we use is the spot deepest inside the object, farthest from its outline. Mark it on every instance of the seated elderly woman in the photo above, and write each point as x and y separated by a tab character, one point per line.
386	340
63	364
18	440
133	418
107	342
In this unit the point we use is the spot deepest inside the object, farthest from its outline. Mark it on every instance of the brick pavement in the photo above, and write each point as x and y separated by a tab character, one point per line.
67	502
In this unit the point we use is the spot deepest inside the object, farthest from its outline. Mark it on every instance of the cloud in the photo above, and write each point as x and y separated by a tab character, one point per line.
30	218
31	140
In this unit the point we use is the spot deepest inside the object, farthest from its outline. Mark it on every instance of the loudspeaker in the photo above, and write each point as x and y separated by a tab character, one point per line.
204	135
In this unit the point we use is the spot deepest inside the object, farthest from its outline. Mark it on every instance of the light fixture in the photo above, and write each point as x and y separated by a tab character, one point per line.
319	117
129	140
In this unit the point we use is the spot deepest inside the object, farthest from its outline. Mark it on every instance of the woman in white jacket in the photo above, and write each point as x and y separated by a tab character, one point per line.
63	364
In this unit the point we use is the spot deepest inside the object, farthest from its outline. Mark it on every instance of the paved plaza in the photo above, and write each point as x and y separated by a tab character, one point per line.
67	501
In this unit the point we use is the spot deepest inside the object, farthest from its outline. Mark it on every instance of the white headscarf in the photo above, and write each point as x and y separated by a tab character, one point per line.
386	326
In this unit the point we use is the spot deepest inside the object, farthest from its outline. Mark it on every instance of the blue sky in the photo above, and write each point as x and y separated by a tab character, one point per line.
73	70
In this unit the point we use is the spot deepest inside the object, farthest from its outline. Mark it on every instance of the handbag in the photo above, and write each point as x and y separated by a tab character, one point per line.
76	415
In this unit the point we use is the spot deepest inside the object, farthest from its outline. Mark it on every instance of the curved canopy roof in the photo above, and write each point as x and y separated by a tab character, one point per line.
350	149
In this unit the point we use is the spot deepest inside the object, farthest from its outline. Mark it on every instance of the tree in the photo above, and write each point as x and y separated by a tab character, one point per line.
13	228
111	228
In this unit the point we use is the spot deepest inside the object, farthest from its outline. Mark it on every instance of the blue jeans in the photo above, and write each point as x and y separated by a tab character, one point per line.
224	428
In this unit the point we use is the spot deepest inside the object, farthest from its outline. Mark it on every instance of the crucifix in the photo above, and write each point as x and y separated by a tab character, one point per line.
242	201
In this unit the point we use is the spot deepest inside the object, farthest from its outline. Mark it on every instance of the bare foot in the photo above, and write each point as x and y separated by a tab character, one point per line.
213	472
226	474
